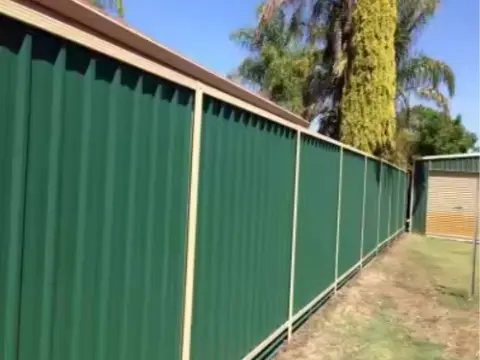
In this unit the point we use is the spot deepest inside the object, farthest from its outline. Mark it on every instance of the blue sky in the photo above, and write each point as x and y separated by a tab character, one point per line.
200	30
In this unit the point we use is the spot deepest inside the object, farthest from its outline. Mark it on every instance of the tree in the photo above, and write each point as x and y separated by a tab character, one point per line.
114	6
417	74
278	64
368	103
332	24
436	133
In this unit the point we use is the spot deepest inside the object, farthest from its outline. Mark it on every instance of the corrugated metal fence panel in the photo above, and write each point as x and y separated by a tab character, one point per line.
105	212
462	164
351	211
420	190
398	195
317	219
392	210
393	201
401	200
404	194
371	206
384	203
15	49
242	266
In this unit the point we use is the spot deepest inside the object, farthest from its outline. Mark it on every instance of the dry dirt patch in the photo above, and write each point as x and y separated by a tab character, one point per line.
410	303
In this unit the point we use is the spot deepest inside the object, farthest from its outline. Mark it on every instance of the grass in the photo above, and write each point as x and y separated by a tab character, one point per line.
411	303
385	338
449	267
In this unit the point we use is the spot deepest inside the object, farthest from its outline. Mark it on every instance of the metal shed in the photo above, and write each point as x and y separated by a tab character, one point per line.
445	195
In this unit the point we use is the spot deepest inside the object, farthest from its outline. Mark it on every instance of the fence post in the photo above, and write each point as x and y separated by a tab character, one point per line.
363	209
192	223
339	205
378	206
401	213
294	237
406	196
390	189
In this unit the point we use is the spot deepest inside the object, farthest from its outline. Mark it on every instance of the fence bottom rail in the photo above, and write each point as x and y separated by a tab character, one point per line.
298	315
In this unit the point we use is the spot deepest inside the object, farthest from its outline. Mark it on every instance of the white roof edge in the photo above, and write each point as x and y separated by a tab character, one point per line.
451	156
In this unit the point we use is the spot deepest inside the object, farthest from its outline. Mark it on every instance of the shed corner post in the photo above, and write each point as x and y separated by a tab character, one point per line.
339	211
411	195
294	236
191	230
362	236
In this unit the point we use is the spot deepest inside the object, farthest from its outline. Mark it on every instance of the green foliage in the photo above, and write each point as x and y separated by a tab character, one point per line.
348	44
367	106
113	6
278	65
417	74
422	77
436	133
412	17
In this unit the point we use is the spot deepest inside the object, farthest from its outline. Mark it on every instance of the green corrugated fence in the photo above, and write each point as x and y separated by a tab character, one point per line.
97	181
318	186
244	231
93	198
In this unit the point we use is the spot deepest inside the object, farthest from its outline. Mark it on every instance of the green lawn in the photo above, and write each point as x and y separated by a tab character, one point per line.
411	303
449	267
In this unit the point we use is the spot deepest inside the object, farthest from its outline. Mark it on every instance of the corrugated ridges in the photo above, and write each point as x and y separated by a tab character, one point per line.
244	231
317	219
105	207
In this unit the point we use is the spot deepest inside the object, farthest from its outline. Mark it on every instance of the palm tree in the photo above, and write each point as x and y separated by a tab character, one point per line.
417	75
327	24
278	64
114	6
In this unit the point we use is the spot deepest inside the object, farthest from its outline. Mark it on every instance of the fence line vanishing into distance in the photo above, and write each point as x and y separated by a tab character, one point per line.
146	213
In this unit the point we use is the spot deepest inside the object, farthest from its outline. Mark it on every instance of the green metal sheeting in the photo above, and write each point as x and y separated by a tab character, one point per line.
419	200
15	50
244	232
394	203
372	188
317	219
99	214
351	211
460	164
95	161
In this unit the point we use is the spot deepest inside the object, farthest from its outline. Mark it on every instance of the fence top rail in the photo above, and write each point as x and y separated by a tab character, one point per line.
452	156
85	14
86	25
